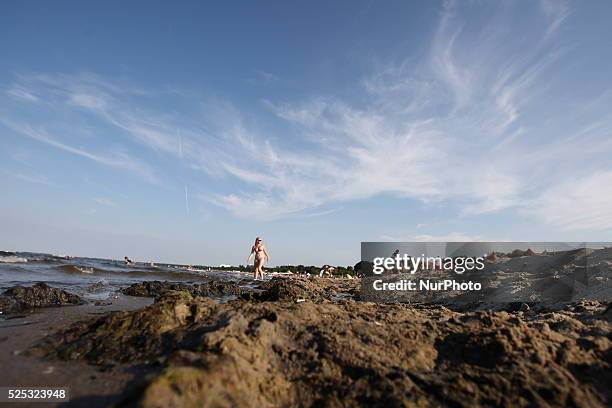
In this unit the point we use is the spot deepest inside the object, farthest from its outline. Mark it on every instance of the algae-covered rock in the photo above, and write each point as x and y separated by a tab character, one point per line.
22	298
129	336
296	289
308	354
223	383
156	288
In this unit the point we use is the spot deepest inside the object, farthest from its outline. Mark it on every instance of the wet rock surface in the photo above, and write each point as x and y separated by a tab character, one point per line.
278	352
300	289
156	288
23	298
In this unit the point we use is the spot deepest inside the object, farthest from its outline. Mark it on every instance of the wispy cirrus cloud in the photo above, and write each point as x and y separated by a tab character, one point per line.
32	178
104	201
426	134
456	126
450	237
118	159
22	94
580	203
475	123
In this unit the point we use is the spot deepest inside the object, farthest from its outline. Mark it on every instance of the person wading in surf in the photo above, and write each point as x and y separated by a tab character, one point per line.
261	256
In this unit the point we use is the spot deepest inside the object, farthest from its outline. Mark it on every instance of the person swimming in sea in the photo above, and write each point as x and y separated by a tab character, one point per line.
128	261
261	256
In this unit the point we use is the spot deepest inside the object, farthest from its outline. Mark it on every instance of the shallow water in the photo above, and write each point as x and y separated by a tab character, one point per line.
97	279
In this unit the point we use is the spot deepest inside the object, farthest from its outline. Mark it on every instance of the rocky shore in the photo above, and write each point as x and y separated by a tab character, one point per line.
157	288
20	299
310	342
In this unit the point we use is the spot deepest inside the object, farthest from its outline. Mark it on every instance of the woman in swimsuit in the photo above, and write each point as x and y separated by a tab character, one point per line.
261	255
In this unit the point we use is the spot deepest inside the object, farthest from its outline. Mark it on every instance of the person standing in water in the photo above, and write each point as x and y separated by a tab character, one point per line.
261	256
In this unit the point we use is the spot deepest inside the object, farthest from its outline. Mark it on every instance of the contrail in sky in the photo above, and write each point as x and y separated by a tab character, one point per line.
186	200
180	138
180	143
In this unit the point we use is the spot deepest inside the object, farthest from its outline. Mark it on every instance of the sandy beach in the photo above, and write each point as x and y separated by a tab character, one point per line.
89	385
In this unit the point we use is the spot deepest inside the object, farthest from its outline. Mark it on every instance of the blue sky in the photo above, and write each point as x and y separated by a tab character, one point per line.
179	132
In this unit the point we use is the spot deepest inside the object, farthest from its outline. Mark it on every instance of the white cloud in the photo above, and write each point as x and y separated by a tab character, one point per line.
432	150
453	127
116	103
104	201
118	159
22	94
266	77
450	237
493	192
558	11
579	203
32	178
88	101
458	77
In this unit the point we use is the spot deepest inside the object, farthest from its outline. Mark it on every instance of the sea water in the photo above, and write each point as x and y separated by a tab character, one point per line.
93	278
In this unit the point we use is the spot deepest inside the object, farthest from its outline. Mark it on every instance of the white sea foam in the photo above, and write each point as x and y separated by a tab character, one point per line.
12	259
85	270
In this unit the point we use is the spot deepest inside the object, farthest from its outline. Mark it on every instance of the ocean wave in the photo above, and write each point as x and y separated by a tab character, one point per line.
84	269
168	274
12	259
48	259
79	269
128	272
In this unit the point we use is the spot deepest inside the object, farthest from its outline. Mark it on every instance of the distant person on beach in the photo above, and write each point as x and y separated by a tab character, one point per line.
261	256
396	253
326	271
128	261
